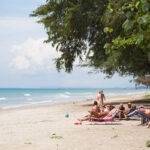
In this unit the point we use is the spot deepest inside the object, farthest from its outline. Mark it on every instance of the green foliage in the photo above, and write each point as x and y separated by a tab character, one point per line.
115	136
147	143
135	37
107	30
27	143
113	36
147	96
71	25
137	23
56	137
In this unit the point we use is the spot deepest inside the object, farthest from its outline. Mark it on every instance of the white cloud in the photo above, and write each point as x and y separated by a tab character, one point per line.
21	62
33	55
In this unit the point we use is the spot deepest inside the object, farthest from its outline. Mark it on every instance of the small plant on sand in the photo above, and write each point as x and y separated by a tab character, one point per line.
54	136
115	136
148	143
147	96
27	143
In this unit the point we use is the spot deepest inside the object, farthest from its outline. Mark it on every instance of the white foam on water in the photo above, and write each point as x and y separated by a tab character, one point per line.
2	98
41	102
29	99
14	106
27	104
87	93
110	94
64	96
136	92
68	93
27	94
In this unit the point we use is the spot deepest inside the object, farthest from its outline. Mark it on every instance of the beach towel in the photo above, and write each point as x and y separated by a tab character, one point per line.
107	118
113	112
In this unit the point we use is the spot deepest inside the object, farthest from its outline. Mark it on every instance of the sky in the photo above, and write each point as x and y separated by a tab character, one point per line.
27	62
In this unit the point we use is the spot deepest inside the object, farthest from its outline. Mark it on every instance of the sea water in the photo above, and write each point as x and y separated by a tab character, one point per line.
15	98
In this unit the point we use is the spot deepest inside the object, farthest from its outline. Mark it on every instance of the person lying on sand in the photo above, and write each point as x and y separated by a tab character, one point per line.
101	114
144	113
97	114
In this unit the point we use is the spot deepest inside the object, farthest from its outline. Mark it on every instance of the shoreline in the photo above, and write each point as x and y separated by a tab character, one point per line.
109	100
34	98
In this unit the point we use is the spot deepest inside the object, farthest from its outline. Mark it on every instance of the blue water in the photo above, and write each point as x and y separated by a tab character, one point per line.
14	98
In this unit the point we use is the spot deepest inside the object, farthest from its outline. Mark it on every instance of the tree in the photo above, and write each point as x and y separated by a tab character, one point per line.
135	38
144	80
100	31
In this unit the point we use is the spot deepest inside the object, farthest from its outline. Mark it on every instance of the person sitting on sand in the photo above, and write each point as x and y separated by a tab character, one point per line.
101	114
97	114
100	99
121	111
128	110
144	113
95	107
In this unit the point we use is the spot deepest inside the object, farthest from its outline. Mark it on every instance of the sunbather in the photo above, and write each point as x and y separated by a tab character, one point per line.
129	109
109	117
95	107
94	111
145	114
101	114
121	111
97	114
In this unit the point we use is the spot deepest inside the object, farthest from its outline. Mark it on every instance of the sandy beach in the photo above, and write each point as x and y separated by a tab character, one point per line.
47	128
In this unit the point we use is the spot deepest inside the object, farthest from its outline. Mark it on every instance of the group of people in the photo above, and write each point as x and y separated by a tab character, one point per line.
100	112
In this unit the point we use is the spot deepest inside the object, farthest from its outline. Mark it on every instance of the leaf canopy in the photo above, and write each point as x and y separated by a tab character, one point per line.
112	35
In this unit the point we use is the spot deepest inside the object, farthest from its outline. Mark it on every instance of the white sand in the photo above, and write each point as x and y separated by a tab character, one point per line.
32	129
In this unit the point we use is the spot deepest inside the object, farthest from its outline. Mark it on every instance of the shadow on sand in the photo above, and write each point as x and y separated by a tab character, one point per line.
104	123
144	101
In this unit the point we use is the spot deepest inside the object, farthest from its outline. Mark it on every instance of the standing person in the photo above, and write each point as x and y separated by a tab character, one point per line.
100	99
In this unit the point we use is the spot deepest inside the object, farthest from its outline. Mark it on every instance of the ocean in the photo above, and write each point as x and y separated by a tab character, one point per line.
15	98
